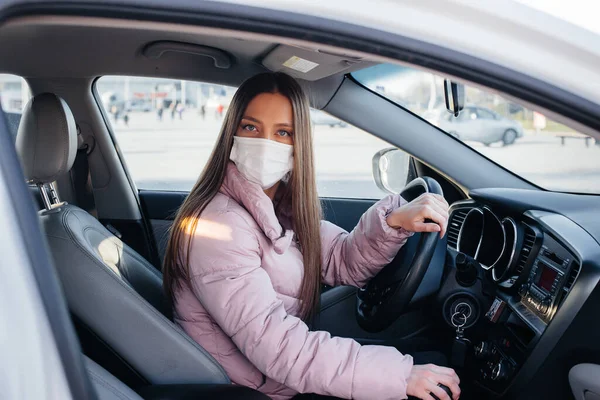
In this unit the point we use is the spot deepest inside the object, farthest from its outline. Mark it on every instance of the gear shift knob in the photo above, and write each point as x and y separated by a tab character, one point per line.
446	389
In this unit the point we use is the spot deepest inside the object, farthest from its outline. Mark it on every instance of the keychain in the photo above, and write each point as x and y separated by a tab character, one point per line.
460	344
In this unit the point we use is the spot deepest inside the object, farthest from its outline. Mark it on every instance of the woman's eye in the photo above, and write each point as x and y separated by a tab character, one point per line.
284	133
249	127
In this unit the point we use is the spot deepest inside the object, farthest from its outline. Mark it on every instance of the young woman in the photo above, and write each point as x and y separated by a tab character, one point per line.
248	254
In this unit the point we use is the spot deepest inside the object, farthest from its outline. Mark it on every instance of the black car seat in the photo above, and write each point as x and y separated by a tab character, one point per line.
108	286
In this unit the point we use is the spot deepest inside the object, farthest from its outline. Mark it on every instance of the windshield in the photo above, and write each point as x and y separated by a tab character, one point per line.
544	152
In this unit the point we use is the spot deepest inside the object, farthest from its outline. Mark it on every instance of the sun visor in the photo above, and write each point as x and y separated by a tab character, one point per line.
309	64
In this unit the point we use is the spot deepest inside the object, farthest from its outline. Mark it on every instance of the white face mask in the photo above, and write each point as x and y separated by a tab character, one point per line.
262	161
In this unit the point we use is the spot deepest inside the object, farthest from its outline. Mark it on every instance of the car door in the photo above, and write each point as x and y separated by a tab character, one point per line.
466	124
491	129
165	153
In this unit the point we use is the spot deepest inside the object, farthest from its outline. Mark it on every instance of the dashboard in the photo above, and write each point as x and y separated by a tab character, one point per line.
537	263
521	257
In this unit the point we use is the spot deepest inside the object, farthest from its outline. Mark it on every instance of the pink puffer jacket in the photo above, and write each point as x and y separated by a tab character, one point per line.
242	303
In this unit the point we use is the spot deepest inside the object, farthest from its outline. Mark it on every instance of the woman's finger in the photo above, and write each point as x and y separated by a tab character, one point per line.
426	227
430	213
426	197
440	210
442	199
440	393
445	371
443	207
439	203
450	381
433	202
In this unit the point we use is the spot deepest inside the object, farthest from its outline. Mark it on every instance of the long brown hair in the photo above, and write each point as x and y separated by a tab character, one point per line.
301	190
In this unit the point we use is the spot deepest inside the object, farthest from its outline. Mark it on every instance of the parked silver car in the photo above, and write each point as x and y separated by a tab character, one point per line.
482	125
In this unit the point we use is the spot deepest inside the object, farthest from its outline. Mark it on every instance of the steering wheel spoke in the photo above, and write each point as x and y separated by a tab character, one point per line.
389	293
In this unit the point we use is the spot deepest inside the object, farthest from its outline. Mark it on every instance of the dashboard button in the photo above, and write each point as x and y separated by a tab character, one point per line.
482	350
523	289
501	371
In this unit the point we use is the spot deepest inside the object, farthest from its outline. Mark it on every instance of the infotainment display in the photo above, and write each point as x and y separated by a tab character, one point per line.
546	278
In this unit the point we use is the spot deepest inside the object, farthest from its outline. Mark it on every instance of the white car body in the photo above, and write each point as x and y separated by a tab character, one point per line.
501	32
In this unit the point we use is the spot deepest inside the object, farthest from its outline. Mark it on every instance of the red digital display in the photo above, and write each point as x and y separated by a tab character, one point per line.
547	278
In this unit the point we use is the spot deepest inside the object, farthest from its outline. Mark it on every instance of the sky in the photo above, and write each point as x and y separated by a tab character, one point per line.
585	13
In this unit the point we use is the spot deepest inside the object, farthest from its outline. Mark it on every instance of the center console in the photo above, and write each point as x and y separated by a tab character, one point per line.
548	280
517	319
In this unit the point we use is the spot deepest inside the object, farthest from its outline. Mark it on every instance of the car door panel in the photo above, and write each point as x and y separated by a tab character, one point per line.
160	208
338	318
477	131
488	125
345	213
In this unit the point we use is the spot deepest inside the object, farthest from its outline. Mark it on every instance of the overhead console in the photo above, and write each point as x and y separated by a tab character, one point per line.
531	271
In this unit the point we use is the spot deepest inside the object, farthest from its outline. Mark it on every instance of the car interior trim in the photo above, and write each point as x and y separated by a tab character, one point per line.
462	230
513	249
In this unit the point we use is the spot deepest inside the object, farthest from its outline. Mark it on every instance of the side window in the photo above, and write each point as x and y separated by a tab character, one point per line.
14	94
344	158
166	130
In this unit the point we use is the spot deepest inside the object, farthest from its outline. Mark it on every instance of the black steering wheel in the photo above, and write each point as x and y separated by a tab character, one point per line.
388	294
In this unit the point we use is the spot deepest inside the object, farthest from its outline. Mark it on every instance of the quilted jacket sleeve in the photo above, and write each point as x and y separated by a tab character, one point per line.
353	258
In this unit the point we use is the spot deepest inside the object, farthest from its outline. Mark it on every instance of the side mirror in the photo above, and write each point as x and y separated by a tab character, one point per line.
390	169
455	96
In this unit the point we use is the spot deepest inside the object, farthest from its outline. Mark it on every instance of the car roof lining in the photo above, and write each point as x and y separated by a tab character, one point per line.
92	47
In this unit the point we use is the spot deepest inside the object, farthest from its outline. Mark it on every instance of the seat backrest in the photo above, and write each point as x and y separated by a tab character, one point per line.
109	287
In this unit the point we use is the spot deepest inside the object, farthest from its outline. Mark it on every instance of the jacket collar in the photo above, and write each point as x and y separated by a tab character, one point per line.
252	197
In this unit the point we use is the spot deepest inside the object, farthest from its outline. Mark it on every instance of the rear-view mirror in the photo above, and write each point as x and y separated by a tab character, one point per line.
390	169
455	96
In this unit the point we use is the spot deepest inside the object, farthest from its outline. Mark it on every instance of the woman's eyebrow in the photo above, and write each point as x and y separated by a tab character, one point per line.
258	121
252	119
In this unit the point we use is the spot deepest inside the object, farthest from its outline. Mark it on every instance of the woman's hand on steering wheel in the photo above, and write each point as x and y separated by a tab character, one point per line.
424	379
414	216
388	294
